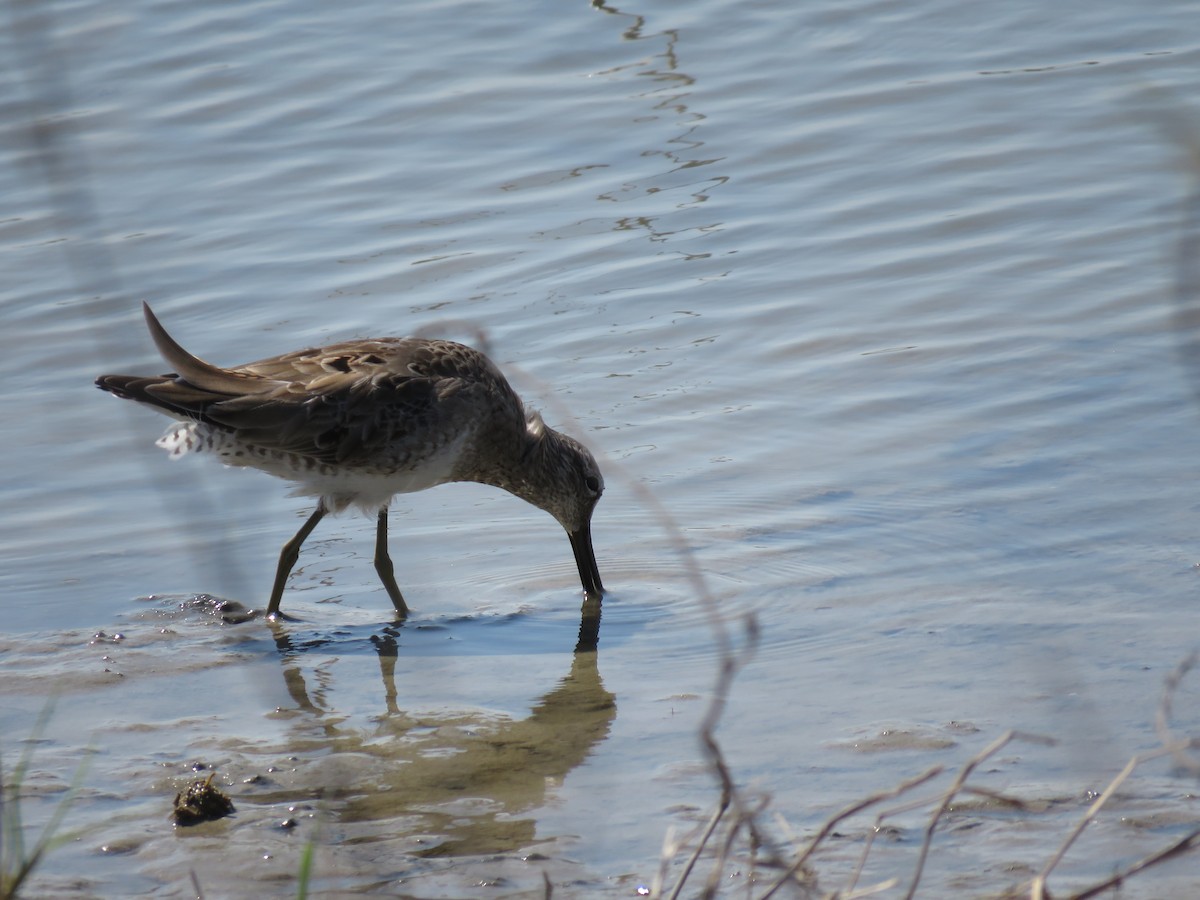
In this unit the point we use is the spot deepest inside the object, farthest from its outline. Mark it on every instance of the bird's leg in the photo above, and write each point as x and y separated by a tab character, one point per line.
383	565
289	555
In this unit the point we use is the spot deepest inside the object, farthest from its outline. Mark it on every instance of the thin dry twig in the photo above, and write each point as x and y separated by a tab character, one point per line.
669	848
847	812
713	882
722	807
945	798
1172	746
1163	719
1181	846
869	891
877	828
1037	889
971	765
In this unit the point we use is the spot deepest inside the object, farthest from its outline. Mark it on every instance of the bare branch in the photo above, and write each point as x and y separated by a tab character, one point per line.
1181	846
1163	719
846	813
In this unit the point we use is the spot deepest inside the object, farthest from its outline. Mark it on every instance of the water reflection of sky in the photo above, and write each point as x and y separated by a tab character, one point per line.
879	303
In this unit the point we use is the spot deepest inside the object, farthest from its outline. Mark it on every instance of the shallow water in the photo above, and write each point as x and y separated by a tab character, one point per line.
879	302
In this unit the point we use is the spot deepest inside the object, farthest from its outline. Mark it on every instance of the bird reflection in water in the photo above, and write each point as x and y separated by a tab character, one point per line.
423	774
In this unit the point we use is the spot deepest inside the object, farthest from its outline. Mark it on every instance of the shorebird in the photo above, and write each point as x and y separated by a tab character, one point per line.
356	423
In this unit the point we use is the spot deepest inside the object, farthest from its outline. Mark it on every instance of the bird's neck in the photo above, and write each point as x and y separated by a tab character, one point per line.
519	461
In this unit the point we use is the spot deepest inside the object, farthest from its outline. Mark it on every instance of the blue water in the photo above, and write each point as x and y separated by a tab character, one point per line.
879	301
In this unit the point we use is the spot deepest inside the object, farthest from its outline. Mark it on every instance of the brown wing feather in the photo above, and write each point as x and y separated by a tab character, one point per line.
346	424
347	403
195	371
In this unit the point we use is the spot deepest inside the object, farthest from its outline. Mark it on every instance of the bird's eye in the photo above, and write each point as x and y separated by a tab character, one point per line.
593	483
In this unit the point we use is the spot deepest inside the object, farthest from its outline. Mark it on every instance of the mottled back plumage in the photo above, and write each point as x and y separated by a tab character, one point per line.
357	422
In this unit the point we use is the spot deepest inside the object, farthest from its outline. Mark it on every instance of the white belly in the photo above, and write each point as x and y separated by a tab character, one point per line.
339	487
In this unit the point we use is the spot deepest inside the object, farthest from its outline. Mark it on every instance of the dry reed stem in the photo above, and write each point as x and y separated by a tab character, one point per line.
951	792
722	807
1037	890
947	797
869	891
1163	717
847	812
1183	845
1171	747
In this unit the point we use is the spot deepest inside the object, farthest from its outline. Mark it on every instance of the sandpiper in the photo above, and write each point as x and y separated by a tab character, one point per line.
356	423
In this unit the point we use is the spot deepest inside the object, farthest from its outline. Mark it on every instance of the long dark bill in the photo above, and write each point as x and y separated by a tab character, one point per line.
585	558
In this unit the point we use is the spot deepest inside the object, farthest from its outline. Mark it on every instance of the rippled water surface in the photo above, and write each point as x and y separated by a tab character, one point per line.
880	302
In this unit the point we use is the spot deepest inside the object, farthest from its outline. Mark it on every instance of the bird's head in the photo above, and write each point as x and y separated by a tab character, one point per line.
566	482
